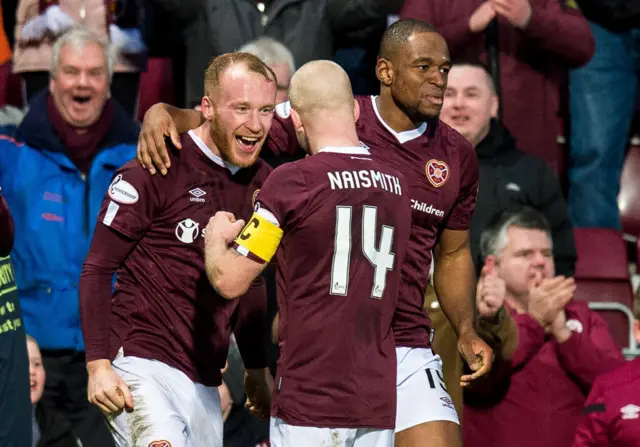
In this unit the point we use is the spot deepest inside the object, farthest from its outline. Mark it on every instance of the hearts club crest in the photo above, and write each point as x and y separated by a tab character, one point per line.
437	172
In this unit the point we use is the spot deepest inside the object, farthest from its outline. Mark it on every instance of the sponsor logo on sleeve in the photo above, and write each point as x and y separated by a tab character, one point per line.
122	191
437	172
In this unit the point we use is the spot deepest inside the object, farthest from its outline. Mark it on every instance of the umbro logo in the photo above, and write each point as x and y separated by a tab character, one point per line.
630	411
197	194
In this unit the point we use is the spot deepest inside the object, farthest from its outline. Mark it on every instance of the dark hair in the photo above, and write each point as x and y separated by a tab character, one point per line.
220	64
398	34
477	64
493	237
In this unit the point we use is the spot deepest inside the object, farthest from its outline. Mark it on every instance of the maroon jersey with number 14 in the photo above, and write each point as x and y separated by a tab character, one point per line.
346	221
441	169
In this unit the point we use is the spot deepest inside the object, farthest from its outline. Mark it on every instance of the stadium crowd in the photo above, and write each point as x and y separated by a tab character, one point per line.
243	223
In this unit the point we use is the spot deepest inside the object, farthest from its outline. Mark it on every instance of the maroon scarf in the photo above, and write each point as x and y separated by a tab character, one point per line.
81	144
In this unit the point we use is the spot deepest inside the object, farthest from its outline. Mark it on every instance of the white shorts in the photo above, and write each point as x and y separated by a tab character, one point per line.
422	395
282	434
170	410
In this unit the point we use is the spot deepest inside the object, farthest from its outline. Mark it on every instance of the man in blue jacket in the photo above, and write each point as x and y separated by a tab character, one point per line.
54	176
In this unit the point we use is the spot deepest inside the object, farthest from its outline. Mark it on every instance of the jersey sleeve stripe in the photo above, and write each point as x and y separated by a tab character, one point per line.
112	210
595	408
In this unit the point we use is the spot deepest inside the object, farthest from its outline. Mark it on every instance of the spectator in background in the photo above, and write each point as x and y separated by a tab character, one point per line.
278	58
538	41
37	378
308	28
15	429
54	178
58	431
40	22
535	398
603	99
611	417
493	323
509	178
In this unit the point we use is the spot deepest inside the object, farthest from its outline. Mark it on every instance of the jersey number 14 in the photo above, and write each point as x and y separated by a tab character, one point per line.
381	259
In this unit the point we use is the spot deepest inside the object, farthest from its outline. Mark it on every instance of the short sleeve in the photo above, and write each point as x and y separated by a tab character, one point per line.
131	201
460	216
284	194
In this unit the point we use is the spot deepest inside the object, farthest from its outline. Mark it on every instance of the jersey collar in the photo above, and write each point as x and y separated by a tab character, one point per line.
356	150
402	137
211	156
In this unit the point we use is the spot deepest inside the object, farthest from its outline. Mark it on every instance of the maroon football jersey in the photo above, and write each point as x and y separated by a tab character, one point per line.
612	413
346	221
164	307
441	168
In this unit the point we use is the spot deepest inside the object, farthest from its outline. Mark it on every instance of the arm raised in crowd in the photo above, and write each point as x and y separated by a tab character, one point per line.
562	30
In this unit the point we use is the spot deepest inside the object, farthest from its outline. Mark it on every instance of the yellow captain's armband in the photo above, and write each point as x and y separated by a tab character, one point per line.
260	237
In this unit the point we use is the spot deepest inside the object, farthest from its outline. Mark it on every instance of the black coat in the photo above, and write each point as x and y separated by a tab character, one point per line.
57	430
510	180
616	15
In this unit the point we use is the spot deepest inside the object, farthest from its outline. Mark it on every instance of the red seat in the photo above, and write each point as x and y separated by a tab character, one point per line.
602	275
629	197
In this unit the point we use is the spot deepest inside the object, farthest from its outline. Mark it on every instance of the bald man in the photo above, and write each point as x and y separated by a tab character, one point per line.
338	225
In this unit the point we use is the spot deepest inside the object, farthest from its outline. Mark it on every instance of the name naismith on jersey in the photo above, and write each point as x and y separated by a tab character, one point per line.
364	179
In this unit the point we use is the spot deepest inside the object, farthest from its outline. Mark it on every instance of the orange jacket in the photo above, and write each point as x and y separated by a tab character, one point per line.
5	49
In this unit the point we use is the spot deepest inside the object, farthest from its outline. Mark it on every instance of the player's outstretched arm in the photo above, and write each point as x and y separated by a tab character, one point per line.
160	121
229	272
454	283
